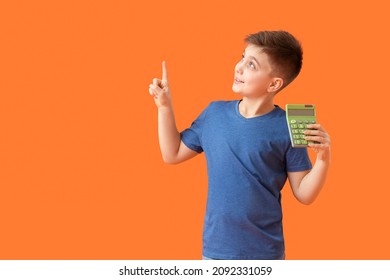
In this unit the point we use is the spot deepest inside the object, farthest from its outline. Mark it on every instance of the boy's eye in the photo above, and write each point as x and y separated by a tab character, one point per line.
250	63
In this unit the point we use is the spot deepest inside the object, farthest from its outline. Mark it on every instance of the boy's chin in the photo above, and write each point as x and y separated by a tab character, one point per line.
239	93
236	90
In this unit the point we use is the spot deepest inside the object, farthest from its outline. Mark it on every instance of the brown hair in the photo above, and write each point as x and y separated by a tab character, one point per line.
284	51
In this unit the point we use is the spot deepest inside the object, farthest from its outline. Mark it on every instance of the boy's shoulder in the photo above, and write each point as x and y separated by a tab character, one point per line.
223	103
220	105
227	108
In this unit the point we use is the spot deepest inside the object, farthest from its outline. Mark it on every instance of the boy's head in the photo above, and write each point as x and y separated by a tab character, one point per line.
284	52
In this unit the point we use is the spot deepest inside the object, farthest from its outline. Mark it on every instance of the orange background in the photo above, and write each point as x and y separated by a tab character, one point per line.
81	175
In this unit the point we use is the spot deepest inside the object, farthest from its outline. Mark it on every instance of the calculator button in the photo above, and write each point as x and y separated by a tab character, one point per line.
293	121
304	142
313	122
301	126
298	142
294	126
306	121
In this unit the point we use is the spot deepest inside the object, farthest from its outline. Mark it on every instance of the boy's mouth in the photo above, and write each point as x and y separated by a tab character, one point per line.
237	80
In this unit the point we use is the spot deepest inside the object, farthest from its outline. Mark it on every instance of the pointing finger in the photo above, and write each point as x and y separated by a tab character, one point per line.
164	72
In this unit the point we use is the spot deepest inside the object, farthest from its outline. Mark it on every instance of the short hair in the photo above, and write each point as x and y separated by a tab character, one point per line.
284	51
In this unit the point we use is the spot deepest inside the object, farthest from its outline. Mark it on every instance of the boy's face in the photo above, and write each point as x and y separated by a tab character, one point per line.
253	74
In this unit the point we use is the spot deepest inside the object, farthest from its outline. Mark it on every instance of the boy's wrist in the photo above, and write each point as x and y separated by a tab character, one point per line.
165	108
324	156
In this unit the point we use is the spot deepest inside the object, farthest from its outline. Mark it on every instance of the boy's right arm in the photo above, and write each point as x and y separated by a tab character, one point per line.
173	150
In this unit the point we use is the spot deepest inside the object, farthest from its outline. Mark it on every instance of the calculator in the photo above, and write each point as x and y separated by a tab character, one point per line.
298	117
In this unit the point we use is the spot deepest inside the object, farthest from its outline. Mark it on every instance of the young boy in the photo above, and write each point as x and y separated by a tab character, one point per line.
248	151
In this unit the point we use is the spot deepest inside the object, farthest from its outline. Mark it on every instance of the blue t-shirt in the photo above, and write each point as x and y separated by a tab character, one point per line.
247	164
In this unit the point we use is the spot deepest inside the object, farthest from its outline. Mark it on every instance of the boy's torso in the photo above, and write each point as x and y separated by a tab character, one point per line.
246	162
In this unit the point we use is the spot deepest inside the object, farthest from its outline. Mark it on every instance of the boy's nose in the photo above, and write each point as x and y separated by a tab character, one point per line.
239	68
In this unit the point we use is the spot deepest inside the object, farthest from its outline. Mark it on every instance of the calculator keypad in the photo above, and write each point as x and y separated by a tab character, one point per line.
297	130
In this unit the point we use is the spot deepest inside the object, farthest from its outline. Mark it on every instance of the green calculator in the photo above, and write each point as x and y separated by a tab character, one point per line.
298	117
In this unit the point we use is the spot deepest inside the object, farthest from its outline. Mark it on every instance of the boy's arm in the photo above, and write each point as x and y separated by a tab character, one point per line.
306	185
172	148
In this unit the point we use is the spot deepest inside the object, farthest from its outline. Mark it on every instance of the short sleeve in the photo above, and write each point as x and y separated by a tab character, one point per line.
297	159
192	136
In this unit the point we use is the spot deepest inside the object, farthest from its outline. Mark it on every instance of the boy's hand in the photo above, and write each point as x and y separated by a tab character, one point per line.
159	89
319	135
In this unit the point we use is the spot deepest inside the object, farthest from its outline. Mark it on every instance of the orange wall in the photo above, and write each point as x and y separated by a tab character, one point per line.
80	170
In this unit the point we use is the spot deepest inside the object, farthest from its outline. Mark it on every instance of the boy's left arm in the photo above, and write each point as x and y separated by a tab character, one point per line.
306	185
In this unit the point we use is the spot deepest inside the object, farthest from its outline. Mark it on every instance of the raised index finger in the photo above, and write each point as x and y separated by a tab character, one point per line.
164	72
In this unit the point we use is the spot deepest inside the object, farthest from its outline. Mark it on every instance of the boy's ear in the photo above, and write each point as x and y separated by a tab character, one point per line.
275	85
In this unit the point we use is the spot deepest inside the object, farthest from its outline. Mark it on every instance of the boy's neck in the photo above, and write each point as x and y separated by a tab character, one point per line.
250	108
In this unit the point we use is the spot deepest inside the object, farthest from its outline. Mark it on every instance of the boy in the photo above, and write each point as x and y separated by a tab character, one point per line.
248	151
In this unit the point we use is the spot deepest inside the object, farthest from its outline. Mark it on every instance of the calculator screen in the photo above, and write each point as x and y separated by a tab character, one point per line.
301	112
